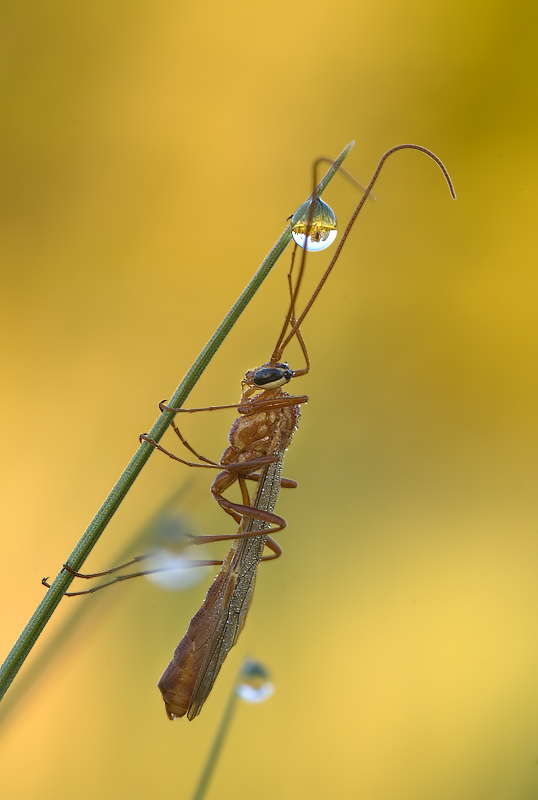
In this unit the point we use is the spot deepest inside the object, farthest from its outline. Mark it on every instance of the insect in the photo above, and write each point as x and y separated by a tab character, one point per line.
259	438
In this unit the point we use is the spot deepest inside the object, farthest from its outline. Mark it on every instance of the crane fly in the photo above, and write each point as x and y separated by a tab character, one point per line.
259	438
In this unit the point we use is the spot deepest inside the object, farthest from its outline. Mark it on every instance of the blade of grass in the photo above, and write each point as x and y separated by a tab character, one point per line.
46	608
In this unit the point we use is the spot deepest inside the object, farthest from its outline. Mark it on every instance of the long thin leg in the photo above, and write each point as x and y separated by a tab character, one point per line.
89	575
297	332
188	446
239	467
285	483
244	491
186	565
164	407
249	406
244	511
275	547
222	482
145	438
293	319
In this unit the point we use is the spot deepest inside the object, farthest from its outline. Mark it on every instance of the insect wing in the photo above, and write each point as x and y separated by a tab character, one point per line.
236	600
241	565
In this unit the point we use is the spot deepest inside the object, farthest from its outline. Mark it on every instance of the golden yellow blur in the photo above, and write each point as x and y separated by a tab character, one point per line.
151	153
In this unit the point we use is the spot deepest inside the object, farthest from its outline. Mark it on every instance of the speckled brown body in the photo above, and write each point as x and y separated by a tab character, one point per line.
258	433
261	433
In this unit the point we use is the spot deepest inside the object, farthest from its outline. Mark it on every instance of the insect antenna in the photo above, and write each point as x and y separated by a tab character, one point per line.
284	340
290	317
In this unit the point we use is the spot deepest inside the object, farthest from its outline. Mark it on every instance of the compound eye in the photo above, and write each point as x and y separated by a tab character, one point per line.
271	377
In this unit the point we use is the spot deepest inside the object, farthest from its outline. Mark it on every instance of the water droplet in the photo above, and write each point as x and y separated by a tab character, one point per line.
172	554
323	228
176	574
254	685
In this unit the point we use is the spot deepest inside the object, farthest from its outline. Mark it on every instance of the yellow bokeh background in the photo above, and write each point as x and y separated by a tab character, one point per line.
151	155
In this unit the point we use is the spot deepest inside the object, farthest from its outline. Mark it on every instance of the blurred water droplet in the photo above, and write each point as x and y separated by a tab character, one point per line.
322	230
172	554
254	685
177	574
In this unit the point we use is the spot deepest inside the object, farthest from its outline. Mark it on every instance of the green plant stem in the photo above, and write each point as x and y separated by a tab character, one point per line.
46	608
216	747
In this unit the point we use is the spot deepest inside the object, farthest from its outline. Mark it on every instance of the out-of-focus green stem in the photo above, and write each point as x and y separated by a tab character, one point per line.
88	540
216	747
